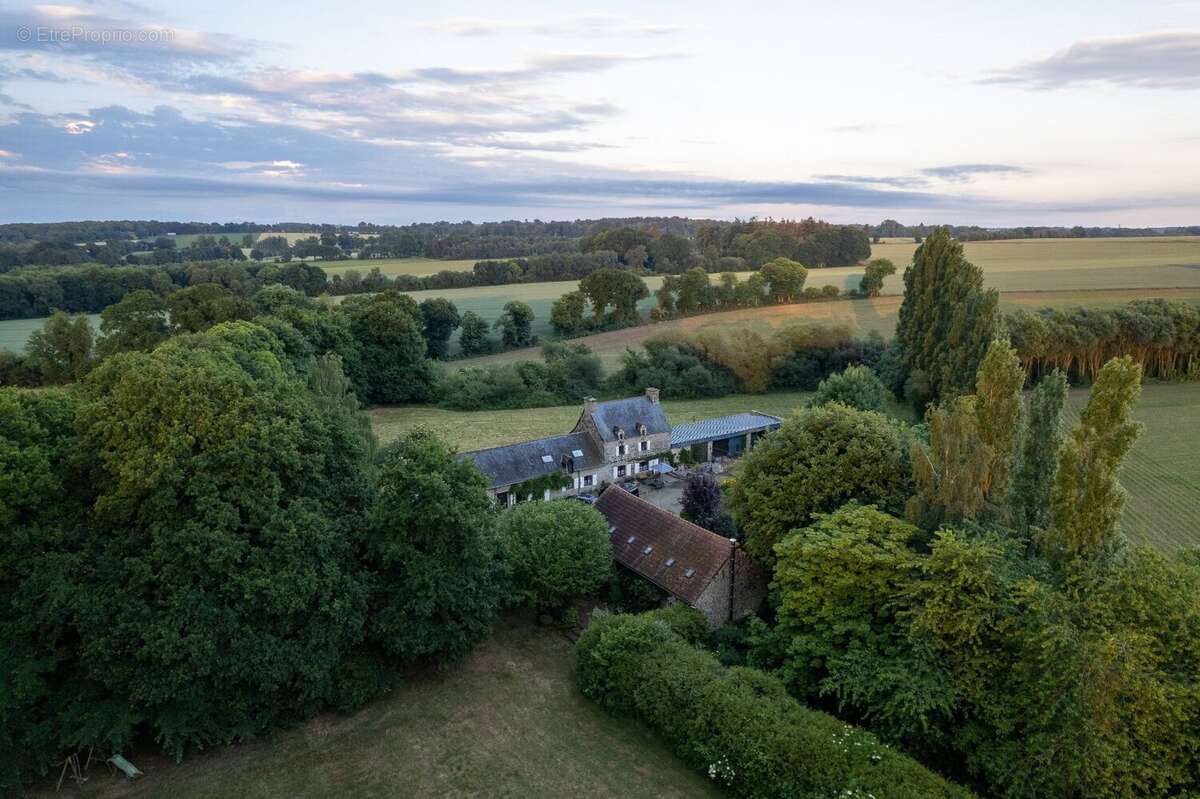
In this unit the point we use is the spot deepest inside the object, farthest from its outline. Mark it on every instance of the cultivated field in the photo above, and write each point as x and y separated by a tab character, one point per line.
187	239
398	266
1162	473
508	722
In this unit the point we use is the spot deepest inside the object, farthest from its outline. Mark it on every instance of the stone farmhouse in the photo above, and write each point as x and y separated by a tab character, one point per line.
695	566
610	443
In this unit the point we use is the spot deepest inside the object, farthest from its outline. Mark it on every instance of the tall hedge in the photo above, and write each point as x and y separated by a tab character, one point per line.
738	725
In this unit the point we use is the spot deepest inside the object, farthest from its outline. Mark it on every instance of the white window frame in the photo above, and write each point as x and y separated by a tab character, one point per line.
643	446
588	481
622	450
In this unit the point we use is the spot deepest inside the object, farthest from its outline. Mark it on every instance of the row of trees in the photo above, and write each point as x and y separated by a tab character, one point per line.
1162	336
34	292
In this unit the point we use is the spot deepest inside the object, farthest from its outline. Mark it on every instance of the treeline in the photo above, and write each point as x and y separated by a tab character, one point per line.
1161	336
893	229
32	292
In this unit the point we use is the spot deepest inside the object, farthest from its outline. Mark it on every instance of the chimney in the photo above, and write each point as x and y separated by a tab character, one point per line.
589	405
652	395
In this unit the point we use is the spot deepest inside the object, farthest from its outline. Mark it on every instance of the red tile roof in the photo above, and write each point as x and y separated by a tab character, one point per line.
670	539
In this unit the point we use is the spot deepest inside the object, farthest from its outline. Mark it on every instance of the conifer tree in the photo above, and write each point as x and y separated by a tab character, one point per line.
998	412
1086	501
1033	472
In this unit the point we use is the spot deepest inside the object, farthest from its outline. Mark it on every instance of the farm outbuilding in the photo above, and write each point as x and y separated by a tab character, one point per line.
724	436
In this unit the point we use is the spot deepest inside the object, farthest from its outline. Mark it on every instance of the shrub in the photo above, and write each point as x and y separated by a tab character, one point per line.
855	386
819	459
555	551
738	725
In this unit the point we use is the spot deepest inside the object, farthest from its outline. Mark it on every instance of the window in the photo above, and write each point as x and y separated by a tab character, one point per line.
588	480
622	449
644	446
643	467
621	471
578	453
547	459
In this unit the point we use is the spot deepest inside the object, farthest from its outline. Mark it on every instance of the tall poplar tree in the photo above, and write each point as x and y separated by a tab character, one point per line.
1037	455
1086	501
947	320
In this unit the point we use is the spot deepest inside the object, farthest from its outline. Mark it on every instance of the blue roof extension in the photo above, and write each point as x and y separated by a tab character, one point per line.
683	435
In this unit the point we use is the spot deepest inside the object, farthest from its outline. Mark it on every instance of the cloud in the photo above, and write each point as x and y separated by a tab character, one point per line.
899	181
538	69
1156	60
587	26
961	173
860	127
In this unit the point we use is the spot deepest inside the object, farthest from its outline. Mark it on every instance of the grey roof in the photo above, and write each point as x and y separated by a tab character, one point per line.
515	463
627	414
722	427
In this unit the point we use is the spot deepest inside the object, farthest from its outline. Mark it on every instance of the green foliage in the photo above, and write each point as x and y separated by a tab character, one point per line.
62	350
872	279
785	279
197	308
1037	455
567	373
1086	499
947	321
618	288
737	725
516	325
474	339
555	551
817	461
688	623
837	583
138	322
438	583
224	501
962	473
566	313
439	320
855	387
387	328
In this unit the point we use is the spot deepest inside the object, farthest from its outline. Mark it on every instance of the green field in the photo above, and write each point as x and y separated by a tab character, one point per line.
398	266
508	722
1162	473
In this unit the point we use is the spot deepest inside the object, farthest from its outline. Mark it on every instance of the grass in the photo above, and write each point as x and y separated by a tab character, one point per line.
507	722
187	239
398	266
1162	472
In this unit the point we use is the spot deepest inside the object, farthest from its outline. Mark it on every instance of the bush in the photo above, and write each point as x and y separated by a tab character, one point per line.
738	725
855	386
819	459
685	621
555	551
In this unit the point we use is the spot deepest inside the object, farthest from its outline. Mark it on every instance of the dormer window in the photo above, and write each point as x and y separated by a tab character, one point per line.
641	428
620	434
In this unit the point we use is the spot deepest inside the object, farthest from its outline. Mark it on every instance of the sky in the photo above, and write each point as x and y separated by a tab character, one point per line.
1014	113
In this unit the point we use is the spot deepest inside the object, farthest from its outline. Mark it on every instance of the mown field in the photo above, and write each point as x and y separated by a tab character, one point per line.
508	722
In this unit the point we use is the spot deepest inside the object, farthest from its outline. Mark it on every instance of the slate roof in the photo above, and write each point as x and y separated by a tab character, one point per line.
670	539
515	463
721	427
627	414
